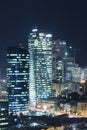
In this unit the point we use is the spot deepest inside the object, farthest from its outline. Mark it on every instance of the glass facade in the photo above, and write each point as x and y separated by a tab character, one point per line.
59	49
18	79
68	64
3	115
40	49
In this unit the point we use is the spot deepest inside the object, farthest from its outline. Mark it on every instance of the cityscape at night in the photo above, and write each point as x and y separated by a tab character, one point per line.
43	65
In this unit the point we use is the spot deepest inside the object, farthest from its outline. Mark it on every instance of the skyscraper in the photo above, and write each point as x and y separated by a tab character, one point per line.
68	64
59	49
18	78
40	49
3	114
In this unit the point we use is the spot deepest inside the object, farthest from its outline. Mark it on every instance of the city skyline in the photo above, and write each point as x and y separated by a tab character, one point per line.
32	93
31	71
64	19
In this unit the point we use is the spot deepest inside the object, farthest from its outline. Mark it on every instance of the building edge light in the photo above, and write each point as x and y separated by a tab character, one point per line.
49	35
34	30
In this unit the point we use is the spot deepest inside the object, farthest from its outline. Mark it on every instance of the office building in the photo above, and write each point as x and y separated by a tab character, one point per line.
40	49
3	114
77	73
68	64
3	88
59	50
18	78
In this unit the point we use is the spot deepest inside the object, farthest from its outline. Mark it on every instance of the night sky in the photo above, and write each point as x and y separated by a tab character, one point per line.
65	19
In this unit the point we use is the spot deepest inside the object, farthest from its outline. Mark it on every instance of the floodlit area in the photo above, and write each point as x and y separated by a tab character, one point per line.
40	112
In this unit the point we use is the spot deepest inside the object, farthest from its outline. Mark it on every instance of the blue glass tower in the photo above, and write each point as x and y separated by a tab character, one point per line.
40	49
18	79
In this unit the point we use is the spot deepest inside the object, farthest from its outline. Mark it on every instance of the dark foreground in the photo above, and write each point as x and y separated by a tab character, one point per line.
39	122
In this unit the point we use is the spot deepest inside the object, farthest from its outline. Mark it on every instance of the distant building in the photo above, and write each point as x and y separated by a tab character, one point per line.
84	73
77	73
3	89
40	49
68	64
18	78
3	114
59	50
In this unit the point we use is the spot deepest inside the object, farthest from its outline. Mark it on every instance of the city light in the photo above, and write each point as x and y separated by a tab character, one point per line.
34	30
49	35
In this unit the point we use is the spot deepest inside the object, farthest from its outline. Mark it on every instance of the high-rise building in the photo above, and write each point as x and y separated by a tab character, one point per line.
3	114
3	88
59	50
68	64
40	49
62	66
77	74
18	78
